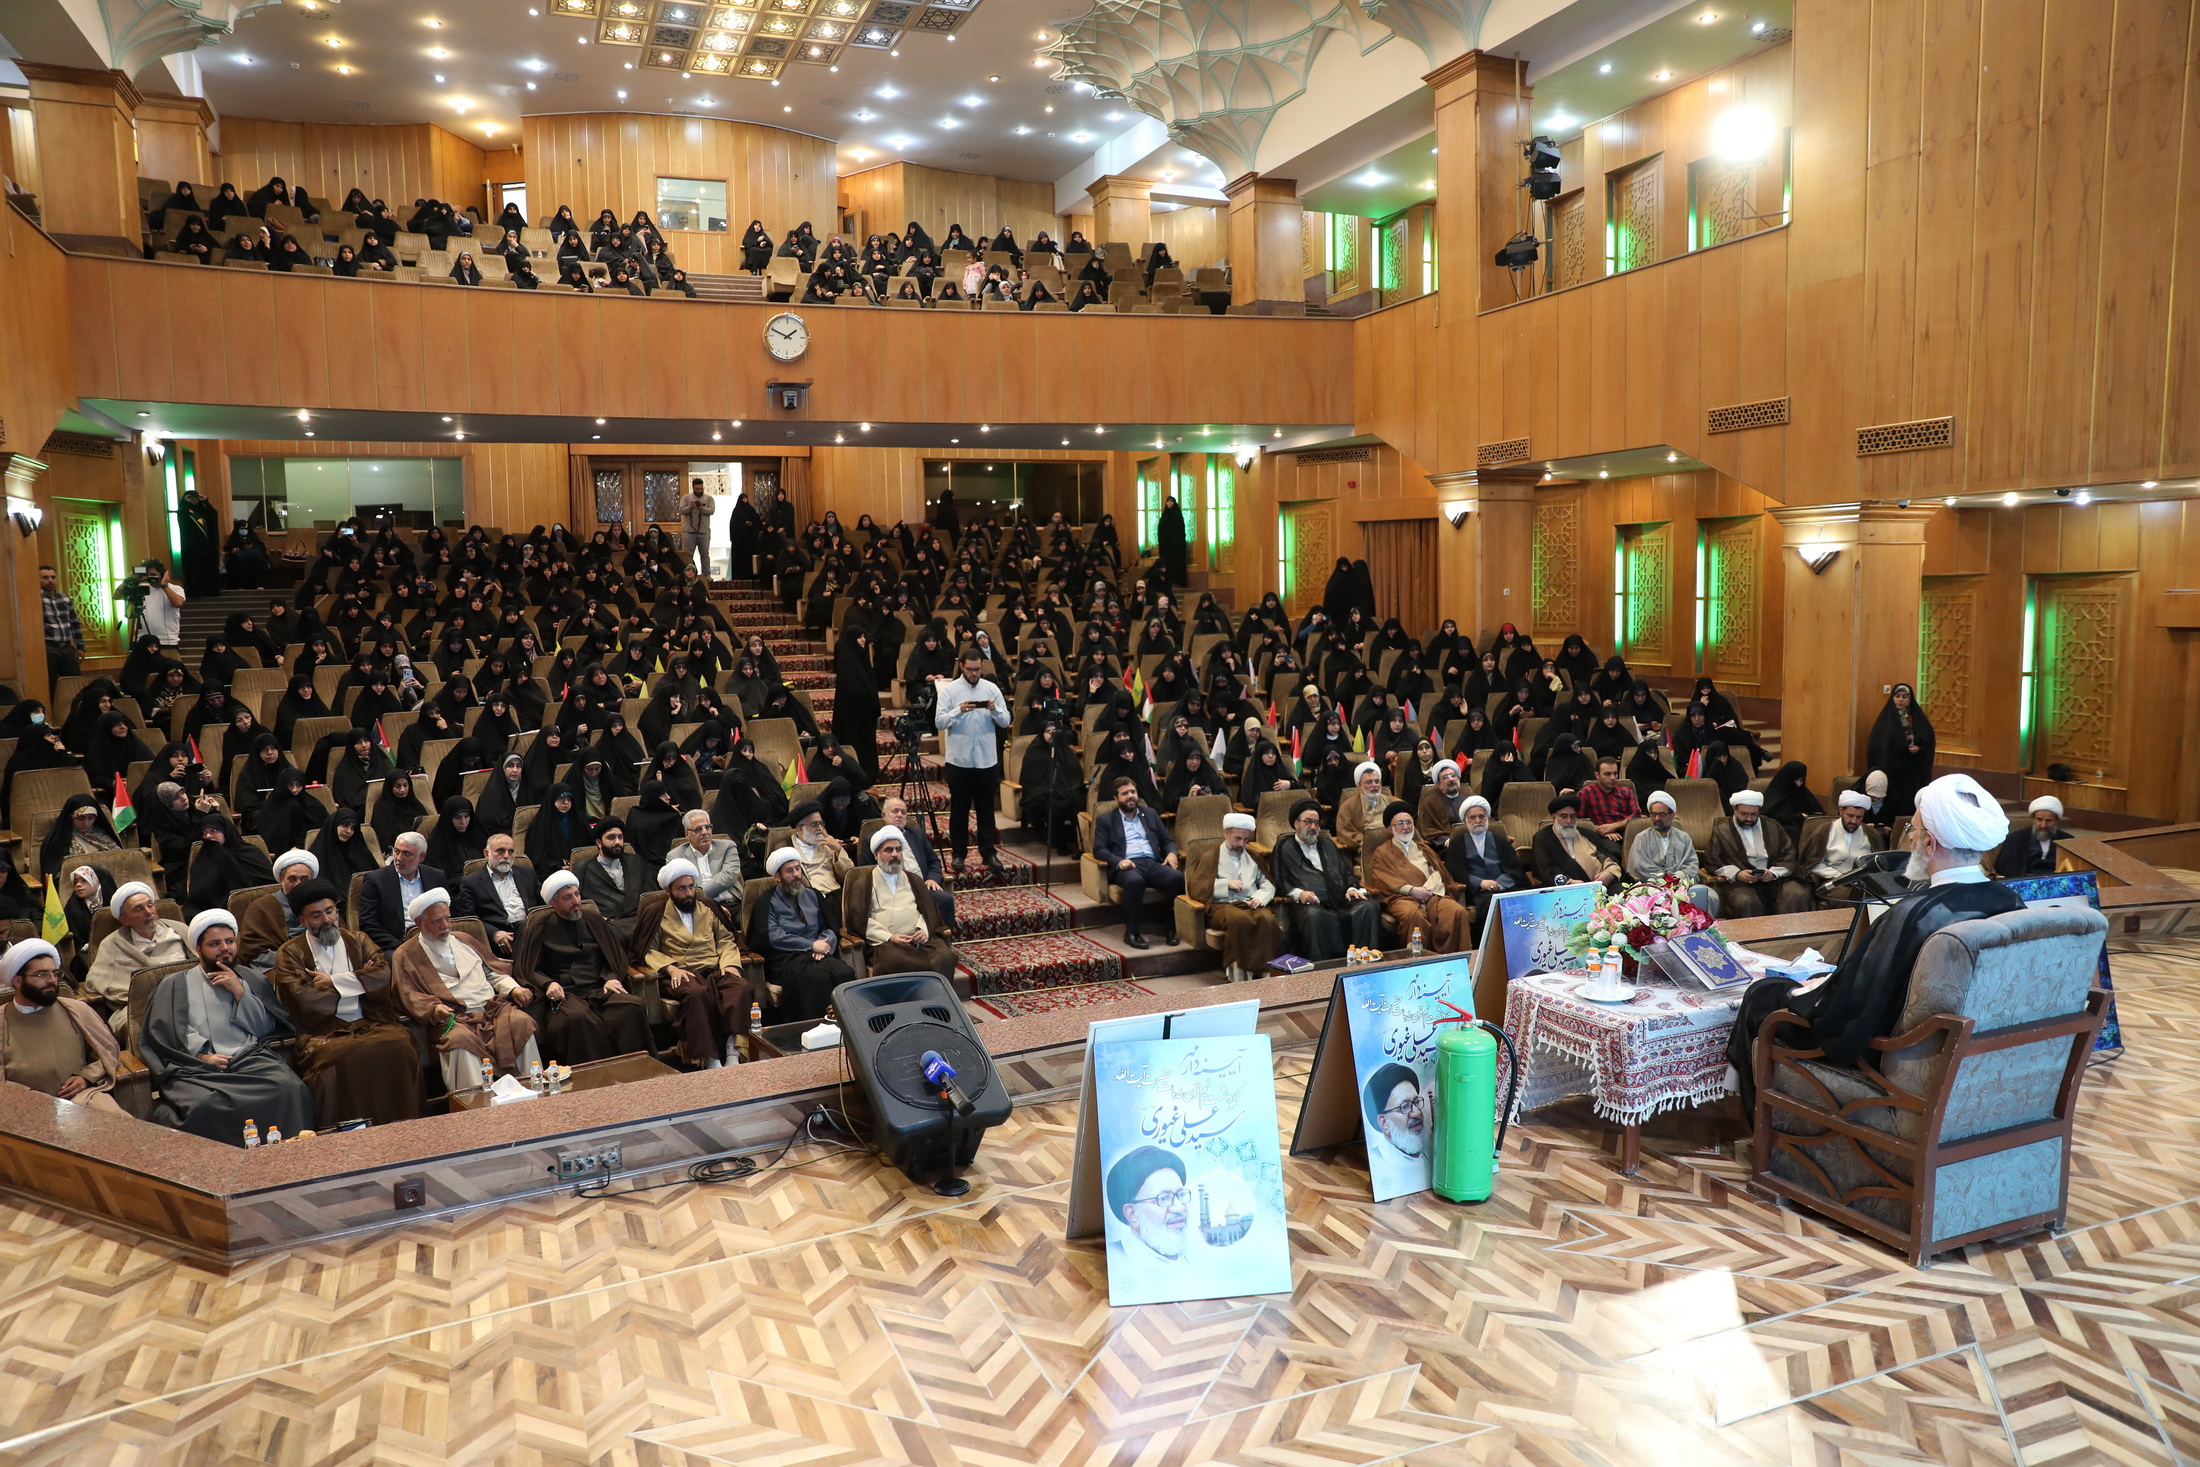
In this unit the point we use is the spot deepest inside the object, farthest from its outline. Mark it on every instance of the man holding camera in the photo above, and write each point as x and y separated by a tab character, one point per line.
970	715
163	606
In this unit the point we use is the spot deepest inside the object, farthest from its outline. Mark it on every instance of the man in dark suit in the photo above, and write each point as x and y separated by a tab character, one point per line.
1135	852
1484	860
385	894
616	878
501	894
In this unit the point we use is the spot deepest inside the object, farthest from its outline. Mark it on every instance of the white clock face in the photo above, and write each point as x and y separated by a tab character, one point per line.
786	336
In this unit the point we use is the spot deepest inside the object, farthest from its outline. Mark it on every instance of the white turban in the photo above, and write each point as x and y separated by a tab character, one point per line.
123	893
673	870
1367	767
1958	812
1237	821
1746	797
1443	765
1475	802
1854	800
307	859
2048	803
211	917
18	957
1660	797
884	834
779	858
418	906
559	881
1875	785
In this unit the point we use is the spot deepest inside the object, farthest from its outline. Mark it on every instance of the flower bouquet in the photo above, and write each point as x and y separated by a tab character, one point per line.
1637	917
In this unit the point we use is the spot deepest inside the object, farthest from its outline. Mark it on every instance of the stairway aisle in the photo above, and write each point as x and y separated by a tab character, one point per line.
1031	940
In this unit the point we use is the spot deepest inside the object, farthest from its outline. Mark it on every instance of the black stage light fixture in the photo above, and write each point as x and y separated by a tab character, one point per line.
1519	252
1542	181
931	1085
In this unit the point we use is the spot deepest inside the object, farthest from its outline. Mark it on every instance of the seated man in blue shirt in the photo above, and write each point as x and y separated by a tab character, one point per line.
1136	852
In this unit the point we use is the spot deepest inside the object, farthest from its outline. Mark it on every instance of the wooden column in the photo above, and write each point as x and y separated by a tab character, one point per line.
1122	208
23	643
1487	562
1480	122
171	133
87	151
1850	627
1264	240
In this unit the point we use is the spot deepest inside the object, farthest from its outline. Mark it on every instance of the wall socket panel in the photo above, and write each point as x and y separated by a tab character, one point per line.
600	1162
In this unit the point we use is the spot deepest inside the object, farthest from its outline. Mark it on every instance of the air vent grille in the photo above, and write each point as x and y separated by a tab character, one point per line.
1905	437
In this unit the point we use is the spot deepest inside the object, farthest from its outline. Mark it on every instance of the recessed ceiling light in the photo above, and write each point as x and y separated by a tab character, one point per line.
460	436
1021	131
1065	443
973	101
1663	76
888	93
1707	17
2009	500
446	420
949	123
1950	501
432	23
840	438
954	440
1756	28
866	427
622	96
1080	137
2083	496
1672	458
439	53
2147	483
736	422
1605	69
530	86
985	427
992	78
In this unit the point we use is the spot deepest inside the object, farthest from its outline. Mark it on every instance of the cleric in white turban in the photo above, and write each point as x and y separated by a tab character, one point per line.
209	1035
2029	850
1958	826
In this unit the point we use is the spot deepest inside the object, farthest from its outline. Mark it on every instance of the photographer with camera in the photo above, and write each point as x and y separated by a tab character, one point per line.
970	717
155	598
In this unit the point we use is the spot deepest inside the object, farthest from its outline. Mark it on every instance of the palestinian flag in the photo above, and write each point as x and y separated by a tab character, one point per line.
380	737
1695	764
55	924
1297	758
194	743
125	813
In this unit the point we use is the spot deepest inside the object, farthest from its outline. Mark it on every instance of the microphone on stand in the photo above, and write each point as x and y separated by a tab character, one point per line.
941	1074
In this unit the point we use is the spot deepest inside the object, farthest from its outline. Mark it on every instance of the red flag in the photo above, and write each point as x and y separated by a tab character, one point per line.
194	743
1695	764
381	737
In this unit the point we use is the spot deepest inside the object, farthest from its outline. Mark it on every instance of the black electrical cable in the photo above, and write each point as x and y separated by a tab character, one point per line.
738	1168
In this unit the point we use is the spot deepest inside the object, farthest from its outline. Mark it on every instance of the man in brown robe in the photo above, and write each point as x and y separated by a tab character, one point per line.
1410	880
451	984
1230	880
272	920
354	1053
1754	862
688	941
53	1044
887	907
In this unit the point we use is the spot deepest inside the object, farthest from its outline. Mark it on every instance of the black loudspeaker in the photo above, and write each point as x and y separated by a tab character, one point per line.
894	1030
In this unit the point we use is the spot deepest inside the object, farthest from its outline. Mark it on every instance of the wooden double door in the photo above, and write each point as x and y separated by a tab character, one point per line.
632	491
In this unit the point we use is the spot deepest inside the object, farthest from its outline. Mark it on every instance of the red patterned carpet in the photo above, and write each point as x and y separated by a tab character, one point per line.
1049	960
1010	911
1054	1000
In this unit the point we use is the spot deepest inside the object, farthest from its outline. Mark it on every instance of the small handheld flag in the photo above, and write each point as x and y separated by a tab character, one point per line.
54	925
125	812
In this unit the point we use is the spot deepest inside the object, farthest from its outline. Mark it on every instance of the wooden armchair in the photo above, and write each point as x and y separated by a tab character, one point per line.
1956	1129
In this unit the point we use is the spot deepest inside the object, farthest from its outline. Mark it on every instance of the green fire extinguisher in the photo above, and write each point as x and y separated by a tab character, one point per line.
1463	1157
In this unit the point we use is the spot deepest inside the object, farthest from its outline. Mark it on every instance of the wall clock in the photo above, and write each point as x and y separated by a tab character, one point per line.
786	336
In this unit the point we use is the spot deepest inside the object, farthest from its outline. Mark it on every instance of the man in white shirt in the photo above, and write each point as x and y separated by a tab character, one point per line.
970	714
164	608
695	528
1664	849
1238	893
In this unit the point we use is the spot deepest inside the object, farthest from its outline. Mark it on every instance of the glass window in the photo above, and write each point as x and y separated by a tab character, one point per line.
1221	513
1032	491
315	493
692	203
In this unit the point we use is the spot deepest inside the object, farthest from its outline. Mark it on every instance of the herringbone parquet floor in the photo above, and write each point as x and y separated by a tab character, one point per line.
828	1316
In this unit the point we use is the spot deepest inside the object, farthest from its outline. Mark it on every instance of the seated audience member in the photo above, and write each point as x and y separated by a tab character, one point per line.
49	1042
464	994
570	958
1327	906
273	920
1484	861
1958	823
1238	894
920	856
1608	802
143	939
691	943
1838	847
717	859
1443	804
615	878
354	1053
825	860
209	1037
1136	852
1360	809
386	894
2031	851
501	894
1754	862
1662	848
1409	877
1566	850
800	948
888	906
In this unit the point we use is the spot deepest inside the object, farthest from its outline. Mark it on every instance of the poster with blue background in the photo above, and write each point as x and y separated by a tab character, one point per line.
1193	1169
1393	1015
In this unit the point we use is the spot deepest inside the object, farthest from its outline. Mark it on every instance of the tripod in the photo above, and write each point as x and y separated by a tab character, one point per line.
914	781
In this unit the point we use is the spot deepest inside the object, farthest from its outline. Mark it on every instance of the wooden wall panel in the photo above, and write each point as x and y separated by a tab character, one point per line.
36	370
395	164
595	161
1196	235
887	198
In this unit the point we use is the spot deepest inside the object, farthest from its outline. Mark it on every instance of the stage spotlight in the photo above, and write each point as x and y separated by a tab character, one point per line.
1542	181
1519	252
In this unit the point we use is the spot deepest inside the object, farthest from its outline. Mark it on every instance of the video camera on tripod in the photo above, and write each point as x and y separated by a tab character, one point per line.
139	584
916	721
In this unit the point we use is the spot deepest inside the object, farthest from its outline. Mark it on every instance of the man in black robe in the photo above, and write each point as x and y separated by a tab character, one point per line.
2031	851
1958	824
1317	896
573	961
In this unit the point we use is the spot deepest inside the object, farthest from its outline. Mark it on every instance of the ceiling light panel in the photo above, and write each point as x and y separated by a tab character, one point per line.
730	37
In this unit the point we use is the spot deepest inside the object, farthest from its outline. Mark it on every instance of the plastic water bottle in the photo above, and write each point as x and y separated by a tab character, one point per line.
534	1074
488	1071
251	1134
1413	945
274	1135
756	1017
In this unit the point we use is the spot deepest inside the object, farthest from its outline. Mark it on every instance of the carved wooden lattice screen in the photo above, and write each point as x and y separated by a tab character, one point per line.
1647	609
1574	260
1947	648
1309	552
2083	623
1555	596
1634	197
1733	577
